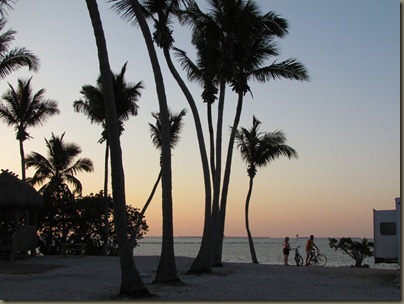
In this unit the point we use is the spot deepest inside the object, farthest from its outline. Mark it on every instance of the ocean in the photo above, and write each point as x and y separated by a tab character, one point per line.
268	250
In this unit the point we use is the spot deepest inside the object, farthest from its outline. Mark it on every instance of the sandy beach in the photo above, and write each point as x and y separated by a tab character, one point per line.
92	278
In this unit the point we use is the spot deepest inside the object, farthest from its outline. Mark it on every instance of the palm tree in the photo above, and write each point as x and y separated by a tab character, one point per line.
126	98
131	282
167	269
162	12
237	40
258	149
60	168
250	64
176	125
15	58
23	109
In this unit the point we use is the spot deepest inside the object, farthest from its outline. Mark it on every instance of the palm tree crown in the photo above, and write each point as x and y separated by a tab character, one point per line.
12	59
258	149
5	5
176	125
59	168
24	109
126	97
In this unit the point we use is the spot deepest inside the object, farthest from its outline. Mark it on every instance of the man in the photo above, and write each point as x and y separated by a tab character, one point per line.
309	249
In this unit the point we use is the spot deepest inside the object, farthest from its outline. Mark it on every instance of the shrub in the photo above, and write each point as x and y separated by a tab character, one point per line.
81	221
358	250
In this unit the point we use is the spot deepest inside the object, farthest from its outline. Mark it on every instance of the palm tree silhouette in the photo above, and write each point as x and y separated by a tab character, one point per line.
92	105
131	282
23	109
15	58
166	269
258	149
233	42
176	125
59	169
162	14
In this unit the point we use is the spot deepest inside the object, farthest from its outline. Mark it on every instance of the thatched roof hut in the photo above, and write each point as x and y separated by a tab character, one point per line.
17	194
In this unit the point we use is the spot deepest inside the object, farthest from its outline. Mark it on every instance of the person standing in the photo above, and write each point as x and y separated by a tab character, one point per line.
309	249
286	249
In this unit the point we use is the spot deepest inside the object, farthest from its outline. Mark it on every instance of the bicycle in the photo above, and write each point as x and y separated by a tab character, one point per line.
318	259
298	258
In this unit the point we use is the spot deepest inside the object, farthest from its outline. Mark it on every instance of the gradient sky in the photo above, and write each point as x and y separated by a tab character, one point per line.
344	123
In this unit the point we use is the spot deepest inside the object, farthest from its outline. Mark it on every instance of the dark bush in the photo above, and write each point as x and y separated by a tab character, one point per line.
69	220
358	250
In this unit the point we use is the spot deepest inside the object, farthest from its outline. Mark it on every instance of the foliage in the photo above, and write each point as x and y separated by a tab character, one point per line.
69	220
358	250
11	59
59	168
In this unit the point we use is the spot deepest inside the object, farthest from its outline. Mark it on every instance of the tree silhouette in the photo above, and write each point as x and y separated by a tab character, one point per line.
60	167
258	149
176	125
23	109
131	282
14	58
92	105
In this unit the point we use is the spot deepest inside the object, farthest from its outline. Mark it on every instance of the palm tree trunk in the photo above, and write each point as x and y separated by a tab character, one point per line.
167	269
22	160
202	263
218	246
146	205
131	282
211	141
218	168
104	249
247	225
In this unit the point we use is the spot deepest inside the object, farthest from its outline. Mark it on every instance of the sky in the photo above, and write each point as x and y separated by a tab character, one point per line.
344	123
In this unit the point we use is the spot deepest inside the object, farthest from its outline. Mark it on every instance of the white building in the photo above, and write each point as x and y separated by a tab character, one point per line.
387	237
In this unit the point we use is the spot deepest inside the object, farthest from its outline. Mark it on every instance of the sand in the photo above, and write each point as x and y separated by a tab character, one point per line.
92	278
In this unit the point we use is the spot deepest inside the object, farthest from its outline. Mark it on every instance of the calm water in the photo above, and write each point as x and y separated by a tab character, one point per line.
236	249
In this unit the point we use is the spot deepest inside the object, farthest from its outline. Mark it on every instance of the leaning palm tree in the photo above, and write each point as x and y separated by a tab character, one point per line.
258	149
15	58
176	125
23	109
166	269
92	105
131	282
60	168
162	13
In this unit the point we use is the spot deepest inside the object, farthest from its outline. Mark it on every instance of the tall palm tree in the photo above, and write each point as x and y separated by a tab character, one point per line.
258	149
23	109
176	125
250	60
92	105
167	269
131	282
60	168
241	39
15	58
162	13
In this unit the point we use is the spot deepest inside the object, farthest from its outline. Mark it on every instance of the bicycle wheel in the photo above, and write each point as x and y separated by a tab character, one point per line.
299	260
321	260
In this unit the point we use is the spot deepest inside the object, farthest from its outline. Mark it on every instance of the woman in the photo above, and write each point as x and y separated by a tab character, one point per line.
286	249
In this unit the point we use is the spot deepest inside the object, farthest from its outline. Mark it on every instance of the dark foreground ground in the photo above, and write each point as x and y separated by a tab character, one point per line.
98	278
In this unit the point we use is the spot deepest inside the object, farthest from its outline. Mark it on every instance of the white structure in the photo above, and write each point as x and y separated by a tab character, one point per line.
387	238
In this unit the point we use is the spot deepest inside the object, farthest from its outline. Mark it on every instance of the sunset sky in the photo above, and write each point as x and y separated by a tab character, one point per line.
344	123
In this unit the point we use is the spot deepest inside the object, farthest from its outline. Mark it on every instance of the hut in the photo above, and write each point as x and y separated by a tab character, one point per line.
19	205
